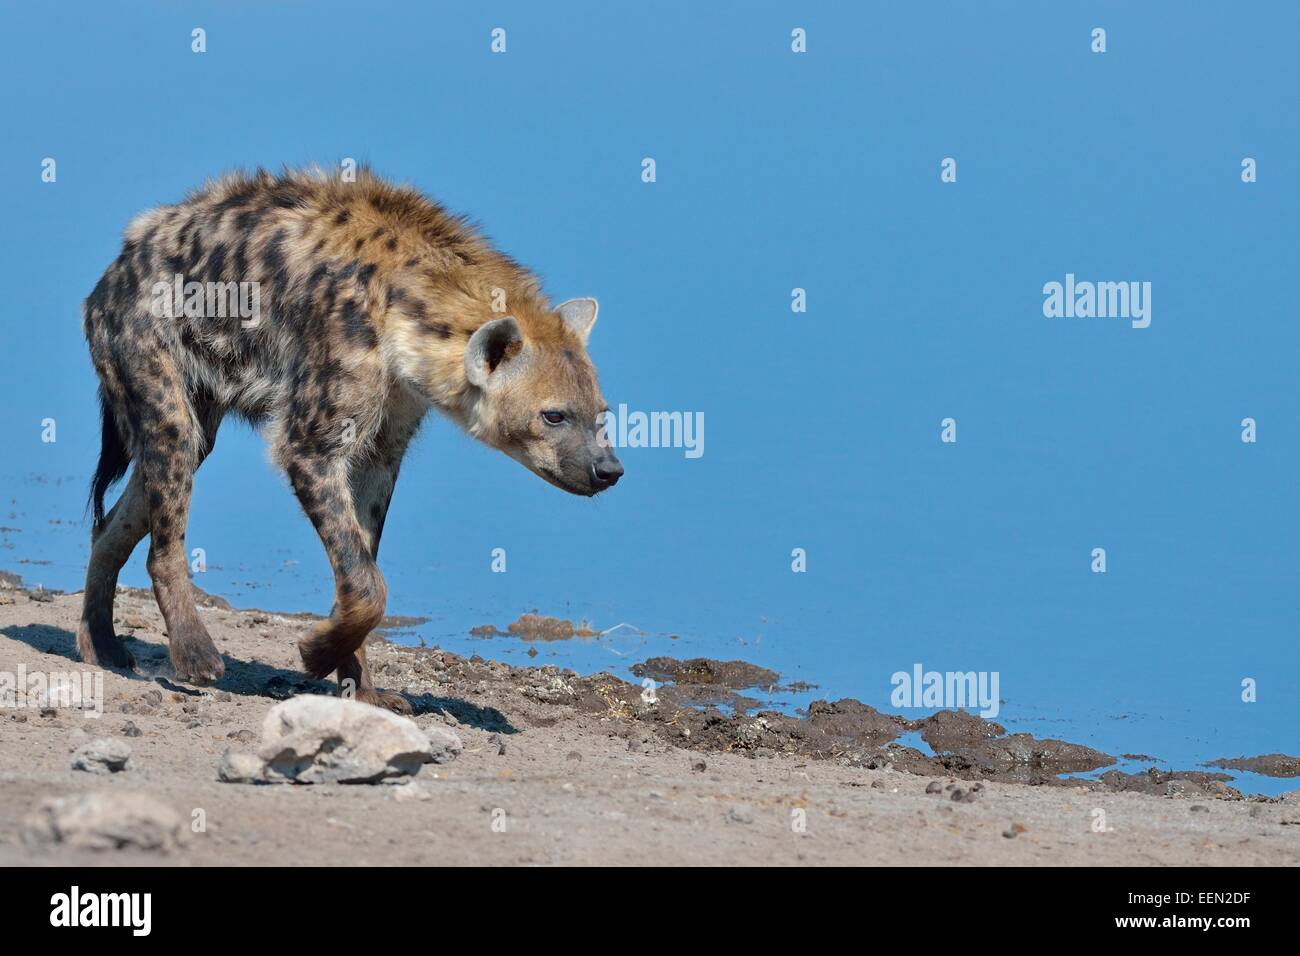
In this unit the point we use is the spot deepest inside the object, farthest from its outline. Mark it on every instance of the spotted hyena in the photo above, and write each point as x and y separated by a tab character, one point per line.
372	305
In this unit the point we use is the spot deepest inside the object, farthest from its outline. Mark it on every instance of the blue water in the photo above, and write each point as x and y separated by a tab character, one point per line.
775	171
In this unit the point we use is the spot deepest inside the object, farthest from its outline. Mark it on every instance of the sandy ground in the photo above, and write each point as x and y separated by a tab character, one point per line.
563	783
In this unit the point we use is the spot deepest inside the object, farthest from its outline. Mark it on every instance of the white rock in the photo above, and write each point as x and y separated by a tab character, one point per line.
106	821
237	767
314	739
102	755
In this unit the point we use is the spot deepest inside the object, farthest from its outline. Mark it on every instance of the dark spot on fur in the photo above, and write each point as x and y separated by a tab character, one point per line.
217	261
317	275
287	195
273	256
247	220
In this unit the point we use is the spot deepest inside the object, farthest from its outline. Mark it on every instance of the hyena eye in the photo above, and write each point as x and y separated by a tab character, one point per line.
553	418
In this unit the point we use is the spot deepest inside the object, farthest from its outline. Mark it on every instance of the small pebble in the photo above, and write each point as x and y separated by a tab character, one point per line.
934	786
740	813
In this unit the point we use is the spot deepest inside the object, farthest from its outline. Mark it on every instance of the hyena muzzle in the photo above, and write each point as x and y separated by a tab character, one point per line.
333	313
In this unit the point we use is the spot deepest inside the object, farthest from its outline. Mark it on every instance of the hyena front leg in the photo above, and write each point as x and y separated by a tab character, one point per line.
321	482
372	489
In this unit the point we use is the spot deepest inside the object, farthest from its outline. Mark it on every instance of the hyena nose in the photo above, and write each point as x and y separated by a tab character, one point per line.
607	472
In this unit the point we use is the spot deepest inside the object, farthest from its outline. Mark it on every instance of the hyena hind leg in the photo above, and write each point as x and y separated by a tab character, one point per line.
111	546
170	454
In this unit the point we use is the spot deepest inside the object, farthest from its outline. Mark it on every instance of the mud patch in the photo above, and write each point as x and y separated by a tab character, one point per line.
702	682
735	675
970	746
1270	765
1170	783
399	622
537	627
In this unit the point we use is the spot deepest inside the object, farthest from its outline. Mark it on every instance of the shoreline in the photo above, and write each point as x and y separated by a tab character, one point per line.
726	690
583	770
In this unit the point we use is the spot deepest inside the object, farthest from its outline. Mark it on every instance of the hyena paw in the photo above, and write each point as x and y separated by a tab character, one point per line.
387	699
322	656
101	647
195	659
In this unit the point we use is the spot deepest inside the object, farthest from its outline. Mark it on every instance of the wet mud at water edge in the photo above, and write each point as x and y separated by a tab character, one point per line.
698	707
965	746
706	705
697	704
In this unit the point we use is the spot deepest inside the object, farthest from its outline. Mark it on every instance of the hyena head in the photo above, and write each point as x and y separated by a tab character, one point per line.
537	398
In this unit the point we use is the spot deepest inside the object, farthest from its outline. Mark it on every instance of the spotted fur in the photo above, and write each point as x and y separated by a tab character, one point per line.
376	304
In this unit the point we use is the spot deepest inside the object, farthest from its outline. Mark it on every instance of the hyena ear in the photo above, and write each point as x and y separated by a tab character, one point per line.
579	315
493	344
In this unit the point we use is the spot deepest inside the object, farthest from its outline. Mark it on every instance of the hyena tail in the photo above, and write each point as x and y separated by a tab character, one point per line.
114	459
